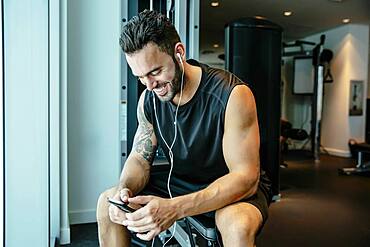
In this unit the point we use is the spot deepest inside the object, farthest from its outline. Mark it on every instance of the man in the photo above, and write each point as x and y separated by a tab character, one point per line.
205	120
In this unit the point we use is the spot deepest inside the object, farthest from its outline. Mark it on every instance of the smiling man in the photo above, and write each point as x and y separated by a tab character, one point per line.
205	121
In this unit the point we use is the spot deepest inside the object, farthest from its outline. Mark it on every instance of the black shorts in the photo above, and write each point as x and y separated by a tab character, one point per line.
158	186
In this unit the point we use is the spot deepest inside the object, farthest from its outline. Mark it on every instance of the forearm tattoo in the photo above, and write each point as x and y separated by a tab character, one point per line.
143	138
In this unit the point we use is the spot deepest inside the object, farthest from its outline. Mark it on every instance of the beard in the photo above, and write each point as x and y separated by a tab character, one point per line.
175	84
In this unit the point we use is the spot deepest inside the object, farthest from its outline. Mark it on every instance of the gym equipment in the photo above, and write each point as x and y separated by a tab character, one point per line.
318	96
287	131
189	232
358	150
320	61
190	229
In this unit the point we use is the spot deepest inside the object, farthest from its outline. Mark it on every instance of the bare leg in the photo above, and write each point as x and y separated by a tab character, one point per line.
110	234
238	224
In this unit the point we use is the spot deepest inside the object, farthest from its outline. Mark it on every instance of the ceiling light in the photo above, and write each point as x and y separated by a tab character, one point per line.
346	20
215	4
216	45
259	17
288	13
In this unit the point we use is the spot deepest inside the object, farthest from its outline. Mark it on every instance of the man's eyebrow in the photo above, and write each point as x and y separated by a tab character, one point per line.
157	68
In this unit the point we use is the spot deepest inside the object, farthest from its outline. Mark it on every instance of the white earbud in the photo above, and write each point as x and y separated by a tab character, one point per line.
179	56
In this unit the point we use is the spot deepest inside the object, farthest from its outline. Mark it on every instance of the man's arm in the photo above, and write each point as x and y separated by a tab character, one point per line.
241	152
135	173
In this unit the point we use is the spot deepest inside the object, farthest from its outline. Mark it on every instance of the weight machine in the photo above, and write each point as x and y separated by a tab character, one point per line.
320	60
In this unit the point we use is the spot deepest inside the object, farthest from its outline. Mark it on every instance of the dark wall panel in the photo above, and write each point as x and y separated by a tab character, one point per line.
253	53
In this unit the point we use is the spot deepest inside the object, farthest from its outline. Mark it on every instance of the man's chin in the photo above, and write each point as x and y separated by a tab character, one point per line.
166	98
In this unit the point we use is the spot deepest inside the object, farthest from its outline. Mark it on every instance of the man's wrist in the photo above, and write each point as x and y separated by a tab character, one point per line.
179	207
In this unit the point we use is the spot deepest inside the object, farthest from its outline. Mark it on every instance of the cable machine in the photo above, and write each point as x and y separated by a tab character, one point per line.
320	60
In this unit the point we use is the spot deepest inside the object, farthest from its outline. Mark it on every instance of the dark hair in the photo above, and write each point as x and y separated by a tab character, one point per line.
149	26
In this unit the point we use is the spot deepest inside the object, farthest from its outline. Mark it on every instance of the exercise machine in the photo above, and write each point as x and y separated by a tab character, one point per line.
359	151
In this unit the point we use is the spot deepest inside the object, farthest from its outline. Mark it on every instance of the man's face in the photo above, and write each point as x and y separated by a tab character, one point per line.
156	70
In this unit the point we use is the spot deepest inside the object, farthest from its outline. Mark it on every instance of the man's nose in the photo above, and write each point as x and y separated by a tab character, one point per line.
150	83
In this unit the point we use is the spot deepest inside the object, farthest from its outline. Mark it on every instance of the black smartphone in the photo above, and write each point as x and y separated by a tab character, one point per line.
121	205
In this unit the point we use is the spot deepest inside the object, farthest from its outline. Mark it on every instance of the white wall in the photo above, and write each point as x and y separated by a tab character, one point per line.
93	103
26	123
350	45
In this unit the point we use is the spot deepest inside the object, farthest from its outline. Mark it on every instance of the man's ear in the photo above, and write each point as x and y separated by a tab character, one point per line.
180	48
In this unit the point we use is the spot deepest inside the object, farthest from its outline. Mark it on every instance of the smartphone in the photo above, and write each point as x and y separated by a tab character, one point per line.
121	205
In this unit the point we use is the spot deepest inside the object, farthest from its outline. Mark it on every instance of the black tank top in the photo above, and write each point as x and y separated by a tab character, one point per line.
198	156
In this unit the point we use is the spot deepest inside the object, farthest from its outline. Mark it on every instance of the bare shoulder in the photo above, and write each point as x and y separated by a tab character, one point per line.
241	106
143	121
140	106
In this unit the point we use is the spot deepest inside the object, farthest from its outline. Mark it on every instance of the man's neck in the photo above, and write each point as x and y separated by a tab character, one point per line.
192	78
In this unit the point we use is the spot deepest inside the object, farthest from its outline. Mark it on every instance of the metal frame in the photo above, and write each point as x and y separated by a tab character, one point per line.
193	46
124	87
180	19
318	97
185	236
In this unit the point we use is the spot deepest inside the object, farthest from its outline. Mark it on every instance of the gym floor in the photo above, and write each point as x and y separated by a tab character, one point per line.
318	207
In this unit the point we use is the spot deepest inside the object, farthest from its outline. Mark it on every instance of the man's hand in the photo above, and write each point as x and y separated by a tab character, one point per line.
117	215
157	215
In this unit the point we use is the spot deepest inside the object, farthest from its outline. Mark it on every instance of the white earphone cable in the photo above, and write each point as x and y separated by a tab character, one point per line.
170	153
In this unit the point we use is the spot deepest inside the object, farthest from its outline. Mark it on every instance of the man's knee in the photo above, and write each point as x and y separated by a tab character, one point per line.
240	220
102	213
110	234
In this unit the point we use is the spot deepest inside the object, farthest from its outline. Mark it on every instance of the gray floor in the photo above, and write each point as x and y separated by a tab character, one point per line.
317	208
